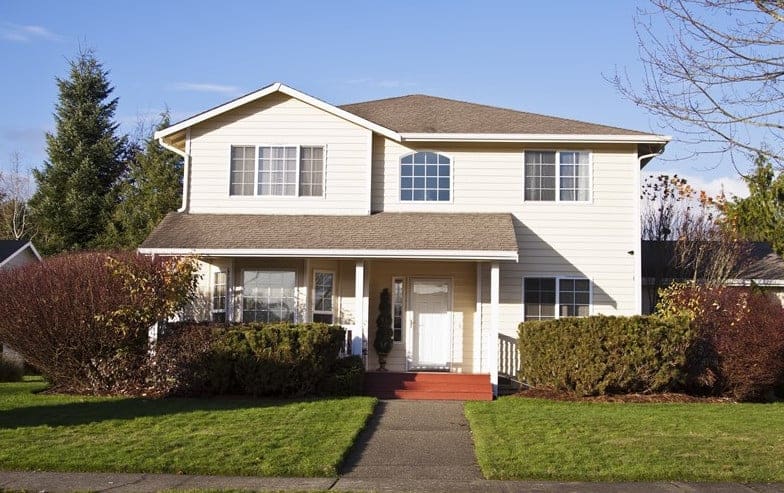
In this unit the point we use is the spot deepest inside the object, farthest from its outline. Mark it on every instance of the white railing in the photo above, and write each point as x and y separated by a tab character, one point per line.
508	357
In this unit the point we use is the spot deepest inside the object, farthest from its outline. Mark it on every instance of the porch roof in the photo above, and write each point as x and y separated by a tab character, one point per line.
380	235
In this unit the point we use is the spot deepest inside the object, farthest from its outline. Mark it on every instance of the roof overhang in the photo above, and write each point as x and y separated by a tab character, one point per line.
265	91
537	138
475	255
27	245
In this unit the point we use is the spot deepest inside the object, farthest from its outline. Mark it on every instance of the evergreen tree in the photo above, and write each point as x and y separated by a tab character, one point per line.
77	186
760	216
151	188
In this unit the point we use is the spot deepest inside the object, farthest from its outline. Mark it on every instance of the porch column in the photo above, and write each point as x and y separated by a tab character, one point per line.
495	290
478	331
360	313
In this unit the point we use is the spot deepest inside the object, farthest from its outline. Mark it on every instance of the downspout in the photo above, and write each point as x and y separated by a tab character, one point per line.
186	161
638	231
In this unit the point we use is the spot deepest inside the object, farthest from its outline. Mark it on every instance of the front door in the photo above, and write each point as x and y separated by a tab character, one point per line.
432	324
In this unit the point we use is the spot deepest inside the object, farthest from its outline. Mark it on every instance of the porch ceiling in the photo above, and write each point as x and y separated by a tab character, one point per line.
380	235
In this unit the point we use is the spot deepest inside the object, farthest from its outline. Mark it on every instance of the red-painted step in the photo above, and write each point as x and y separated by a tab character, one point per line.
428	386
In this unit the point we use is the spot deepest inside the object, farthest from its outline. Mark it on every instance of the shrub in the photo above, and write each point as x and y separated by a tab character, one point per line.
601	354
345	377
82	319
739	348
10	370
255	359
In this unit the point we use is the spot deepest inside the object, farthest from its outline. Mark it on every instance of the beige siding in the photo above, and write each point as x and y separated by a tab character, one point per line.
280	120
590	240
22	258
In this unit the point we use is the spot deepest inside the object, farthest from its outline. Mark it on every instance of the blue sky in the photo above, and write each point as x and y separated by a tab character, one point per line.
544	57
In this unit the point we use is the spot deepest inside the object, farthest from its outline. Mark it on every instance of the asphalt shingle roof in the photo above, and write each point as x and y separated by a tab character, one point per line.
380	231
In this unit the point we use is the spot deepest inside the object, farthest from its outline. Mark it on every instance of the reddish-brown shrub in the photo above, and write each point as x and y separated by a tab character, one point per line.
82	319
739	349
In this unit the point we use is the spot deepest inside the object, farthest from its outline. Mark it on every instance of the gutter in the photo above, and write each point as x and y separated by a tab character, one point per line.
186	158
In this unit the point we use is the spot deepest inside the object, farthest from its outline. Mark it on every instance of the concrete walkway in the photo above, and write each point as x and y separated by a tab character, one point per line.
414	440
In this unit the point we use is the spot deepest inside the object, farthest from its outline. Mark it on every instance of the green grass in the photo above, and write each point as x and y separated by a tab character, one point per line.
191	436
544	440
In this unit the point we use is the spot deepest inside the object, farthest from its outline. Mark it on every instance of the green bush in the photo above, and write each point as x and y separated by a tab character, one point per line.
10	371
345	377
255	359
602	354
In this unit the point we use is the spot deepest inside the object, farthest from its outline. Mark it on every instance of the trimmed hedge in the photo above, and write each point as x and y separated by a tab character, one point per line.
254	359
603	354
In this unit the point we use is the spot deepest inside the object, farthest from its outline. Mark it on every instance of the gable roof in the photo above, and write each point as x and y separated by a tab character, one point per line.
11	248
416	235
419	113
427	118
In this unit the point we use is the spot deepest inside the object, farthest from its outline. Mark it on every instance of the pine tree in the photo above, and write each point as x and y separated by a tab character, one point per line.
151	188
77	186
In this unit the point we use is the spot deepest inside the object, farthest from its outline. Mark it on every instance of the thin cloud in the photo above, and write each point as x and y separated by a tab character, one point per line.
19	33
204	87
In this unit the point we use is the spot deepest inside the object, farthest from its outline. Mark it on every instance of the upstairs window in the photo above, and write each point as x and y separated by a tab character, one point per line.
552	176
425	177
277	171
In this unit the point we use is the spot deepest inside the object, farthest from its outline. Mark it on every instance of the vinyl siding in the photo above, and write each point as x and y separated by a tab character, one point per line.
22	258
280	120
590	240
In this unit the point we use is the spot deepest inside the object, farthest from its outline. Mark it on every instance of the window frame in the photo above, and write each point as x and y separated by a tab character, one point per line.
241	307
213	285
558	280
451	178
313	310
558	177
296	195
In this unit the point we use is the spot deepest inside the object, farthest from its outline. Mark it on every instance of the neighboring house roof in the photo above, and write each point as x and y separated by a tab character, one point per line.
11	248
380	235
419	113
759	263
432	119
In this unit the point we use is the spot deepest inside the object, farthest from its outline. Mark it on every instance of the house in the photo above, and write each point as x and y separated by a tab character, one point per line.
474	217
758	265
16	253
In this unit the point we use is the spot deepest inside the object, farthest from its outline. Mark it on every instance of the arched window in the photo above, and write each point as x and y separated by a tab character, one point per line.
425	177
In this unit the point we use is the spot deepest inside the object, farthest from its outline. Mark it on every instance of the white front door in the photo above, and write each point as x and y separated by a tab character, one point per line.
432	325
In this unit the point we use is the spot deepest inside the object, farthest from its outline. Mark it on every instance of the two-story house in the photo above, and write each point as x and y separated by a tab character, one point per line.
474	217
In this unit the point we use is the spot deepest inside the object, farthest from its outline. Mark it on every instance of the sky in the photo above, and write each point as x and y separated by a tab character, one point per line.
544	57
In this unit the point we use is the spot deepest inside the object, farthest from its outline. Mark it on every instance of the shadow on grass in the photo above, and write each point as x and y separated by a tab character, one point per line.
81	413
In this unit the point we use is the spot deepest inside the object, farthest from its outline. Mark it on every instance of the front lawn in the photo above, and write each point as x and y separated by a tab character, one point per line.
192	436
520	438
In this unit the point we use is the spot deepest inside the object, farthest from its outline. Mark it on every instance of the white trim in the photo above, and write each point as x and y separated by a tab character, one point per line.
312	294
270	89
328	253
495	323
29	245
558	177
537	138
412	153
185	165
558	280
477	335
369	179
360	317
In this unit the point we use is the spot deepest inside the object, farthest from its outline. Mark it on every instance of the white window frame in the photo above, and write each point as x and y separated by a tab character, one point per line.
313	310
267	269
257	196
451	178
558	280
558	177
213	285
403	307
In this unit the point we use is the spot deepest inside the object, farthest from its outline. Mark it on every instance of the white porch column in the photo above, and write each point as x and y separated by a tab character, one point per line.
495	314
307	313
478	332
360	314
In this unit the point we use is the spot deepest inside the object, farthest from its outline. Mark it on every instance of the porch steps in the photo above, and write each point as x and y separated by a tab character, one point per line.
428	386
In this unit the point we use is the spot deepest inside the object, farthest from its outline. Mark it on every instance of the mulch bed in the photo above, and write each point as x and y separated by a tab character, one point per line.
557	395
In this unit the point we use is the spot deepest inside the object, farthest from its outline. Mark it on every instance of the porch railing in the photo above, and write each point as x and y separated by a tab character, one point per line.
346	349
508	357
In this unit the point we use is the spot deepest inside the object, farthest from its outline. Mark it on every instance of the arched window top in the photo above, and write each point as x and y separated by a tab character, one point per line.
425	177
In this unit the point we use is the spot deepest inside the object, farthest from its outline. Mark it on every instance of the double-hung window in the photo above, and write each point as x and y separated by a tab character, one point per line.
551	297
218	310
269	296
277	171
563	176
